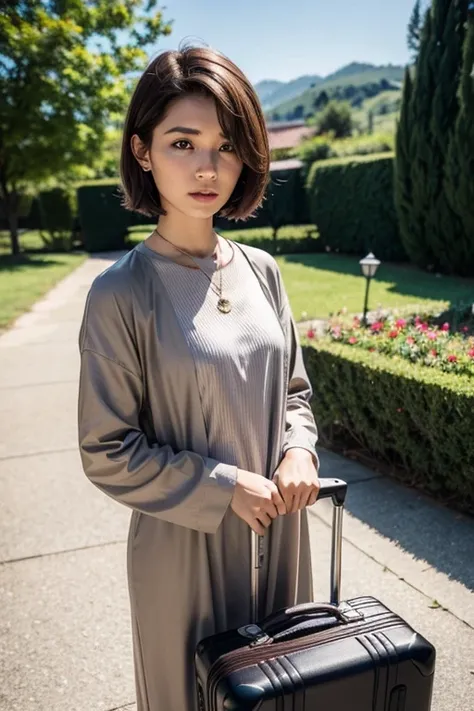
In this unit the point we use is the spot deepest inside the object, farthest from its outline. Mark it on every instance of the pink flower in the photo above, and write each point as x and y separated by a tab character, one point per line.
452	358
310	333
400	323
410	340
433	352
465	329
422	327
336	331
352	340
471	353
431	335
445	326
417	320
393	333
377	326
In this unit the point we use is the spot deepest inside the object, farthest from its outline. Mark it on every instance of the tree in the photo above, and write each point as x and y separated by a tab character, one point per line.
459	184
415	29
321	101
403	186
417	240
449	17
336	118
63	76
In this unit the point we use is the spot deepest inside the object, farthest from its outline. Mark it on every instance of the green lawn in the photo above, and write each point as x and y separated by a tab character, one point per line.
319	284
28	277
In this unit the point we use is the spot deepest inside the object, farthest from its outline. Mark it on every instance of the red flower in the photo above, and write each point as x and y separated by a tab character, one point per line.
445	326
452	358
352	340
400	323
422	327
433	352
310	333
377	326
393	333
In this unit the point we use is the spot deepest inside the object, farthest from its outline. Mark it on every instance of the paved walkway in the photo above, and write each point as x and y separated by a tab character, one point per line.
64	625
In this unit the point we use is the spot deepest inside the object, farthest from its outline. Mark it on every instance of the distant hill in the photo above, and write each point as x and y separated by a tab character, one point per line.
272	93
336	85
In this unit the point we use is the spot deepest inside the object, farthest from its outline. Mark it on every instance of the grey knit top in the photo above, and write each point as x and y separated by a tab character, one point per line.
239	356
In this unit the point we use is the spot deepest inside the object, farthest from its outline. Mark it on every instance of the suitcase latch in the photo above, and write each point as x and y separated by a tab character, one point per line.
349	613
254	633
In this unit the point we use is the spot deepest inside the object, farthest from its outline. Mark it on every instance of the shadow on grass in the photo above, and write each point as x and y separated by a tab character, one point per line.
36	259
405	279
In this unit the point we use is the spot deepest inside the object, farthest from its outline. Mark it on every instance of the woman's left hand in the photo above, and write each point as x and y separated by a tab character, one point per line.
297	479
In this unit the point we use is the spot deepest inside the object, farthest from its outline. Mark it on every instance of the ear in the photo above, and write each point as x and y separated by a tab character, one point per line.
140	152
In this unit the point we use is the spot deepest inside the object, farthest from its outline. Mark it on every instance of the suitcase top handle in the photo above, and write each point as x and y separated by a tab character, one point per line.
310	608
334	489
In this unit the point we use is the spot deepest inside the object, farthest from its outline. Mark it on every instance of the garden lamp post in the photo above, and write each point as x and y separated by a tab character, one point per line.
369	266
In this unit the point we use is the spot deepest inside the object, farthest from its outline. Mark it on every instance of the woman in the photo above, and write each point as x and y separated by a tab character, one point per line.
194	401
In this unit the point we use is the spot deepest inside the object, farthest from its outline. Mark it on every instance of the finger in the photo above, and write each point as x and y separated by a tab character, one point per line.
313	497
271	509
264	518
279	503
257	527
304	498
295	503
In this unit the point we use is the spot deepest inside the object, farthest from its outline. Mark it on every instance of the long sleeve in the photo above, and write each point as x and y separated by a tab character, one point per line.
181	487
301	430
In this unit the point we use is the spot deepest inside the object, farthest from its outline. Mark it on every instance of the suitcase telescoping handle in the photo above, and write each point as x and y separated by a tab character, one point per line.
336	489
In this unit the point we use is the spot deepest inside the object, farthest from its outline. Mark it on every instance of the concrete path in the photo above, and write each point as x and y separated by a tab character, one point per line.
65	642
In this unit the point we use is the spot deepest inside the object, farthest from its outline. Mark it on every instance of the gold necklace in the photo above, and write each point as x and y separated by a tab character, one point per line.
223	304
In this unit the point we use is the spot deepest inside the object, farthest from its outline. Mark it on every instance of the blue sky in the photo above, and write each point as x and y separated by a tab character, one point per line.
273	39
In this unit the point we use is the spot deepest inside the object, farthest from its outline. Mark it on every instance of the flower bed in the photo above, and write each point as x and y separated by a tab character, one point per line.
415	338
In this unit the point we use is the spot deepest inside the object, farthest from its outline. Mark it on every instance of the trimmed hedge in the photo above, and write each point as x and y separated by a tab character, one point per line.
351	200
412	417
299	239
57	208
104	222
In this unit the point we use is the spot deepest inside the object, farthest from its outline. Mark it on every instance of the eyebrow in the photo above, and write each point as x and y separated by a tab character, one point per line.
190	131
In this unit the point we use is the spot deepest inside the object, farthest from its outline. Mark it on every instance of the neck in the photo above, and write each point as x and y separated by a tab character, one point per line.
196	237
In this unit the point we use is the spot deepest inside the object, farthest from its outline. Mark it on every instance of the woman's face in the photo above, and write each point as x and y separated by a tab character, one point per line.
189	155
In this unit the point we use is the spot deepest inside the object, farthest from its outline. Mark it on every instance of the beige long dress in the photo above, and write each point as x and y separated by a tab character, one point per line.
173	397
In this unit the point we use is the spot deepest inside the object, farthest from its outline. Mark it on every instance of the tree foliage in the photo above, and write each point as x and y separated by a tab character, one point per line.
337	119
63	79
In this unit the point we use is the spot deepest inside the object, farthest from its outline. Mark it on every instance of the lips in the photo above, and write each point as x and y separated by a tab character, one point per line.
204	196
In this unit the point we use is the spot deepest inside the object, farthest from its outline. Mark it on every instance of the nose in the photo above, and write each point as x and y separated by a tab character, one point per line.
207	166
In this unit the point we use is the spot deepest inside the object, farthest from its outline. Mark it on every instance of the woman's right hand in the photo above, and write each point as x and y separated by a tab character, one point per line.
256	500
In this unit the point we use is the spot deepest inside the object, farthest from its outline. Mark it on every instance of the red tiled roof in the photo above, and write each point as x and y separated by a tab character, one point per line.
288	137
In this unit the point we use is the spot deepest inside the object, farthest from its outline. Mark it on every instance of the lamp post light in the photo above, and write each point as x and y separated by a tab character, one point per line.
369	266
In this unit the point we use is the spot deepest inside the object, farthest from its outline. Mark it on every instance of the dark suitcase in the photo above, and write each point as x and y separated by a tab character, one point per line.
352	656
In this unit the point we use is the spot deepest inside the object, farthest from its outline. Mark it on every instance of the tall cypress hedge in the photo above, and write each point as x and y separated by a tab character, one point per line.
435	143
351	203
459	174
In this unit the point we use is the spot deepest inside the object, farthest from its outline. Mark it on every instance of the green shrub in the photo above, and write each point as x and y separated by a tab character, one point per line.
104	222
418	420
57	208
364	145
351	202
285	203
291	239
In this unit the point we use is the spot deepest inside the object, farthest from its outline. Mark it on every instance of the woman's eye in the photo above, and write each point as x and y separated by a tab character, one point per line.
181	141
229	146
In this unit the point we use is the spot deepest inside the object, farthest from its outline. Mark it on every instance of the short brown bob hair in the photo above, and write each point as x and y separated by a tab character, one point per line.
197	70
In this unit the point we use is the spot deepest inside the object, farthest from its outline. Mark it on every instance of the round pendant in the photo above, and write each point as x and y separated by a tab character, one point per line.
224	306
